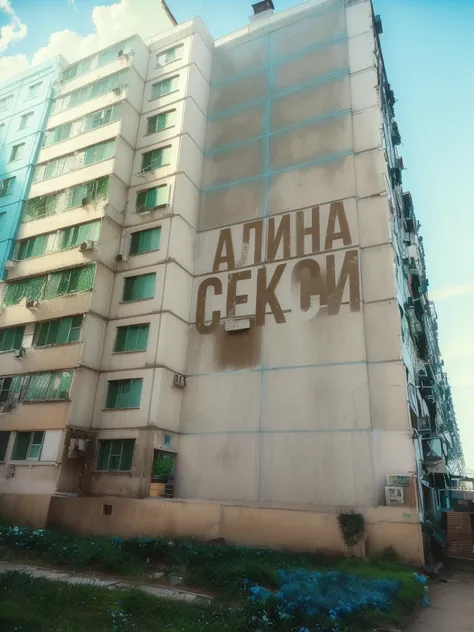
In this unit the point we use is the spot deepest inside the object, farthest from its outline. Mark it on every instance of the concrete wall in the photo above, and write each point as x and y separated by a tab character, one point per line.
281	528
307	404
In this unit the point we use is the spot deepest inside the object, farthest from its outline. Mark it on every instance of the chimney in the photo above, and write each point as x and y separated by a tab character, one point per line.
264	8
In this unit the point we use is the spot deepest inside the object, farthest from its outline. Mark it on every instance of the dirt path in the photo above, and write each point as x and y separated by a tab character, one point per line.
452	603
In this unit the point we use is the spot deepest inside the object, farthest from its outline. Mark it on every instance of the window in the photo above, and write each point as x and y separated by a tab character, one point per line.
97	119
11	338
90	91
4	440
99	152
33	90
34	247
167	56
162	88
160	121
31	289
57	134
156	158
93	190
115	455
17	152
44	387
145	241
151	198
6	186
9	386
124	393
69	282
6	102
131	338
25	120
58	332
138	288
78	69
28	446
72	237
53	168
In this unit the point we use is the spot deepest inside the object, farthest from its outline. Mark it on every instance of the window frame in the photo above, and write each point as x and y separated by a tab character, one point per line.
18	334
123	333
6	189
33	434
140	238
120	394
130	283
50	330
172	89
54	390
150	165
25	118
141	208
156	117
5	436
32	247
109	445
33	90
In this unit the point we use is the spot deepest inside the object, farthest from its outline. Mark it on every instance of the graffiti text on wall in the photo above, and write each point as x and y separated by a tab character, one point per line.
310	277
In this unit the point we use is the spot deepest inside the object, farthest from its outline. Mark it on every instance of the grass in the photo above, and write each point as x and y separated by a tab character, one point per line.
38	605
31	605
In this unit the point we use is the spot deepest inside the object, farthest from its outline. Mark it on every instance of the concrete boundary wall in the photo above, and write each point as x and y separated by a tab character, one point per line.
253	525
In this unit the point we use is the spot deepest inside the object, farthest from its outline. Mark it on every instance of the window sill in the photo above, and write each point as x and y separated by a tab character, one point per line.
137	300
45	401
163	129
163	95
128	351
58	344
31	463
153	208
113	472
147	252
166	164
114	410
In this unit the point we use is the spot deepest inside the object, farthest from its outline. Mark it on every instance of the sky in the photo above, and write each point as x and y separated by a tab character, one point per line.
429	54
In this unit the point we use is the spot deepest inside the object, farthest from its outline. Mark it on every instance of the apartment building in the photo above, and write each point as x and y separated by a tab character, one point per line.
24	106
218	270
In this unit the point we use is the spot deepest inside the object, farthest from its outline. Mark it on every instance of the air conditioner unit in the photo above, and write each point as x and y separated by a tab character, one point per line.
86	245
179	380
120	53
121	257
86	201
34	305
20	354
394	495
9	265
117	89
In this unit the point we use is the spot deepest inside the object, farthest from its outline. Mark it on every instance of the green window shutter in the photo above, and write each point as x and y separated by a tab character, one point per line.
120	340
64	327
146	161
31	289
20	449
64	386
34	247
75	329
170	55
11	338
78	194
127	454
135	244
149	290
151	126
41	334
36	444
142	337
104	455
112	394
128	289
135	393
151	198
4	440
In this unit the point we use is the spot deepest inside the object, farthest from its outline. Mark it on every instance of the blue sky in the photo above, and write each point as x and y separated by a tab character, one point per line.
429	54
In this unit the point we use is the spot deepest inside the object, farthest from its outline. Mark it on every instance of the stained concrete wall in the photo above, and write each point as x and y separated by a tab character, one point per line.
306	405
281	528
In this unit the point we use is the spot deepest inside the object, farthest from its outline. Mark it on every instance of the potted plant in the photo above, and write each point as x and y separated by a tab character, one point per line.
162	476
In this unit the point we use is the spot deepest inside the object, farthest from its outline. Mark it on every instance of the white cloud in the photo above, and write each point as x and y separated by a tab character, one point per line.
451	291
13	31
11	66
111	24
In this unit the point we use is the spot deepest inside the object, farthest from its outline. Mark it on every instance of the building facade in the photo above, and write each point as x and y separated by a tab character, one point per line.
24	107
219	281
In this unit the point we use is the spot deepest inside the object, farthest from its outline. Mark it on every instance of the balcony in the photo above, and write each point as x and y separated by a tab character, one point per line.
36	416
48	310
42	359
53	262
